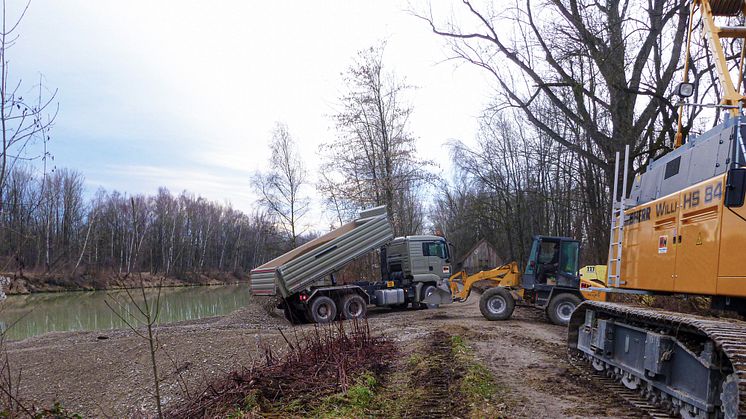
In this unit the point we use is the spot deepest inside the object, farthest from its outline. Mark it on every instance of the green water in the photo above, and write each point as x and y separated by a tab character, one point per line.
34	314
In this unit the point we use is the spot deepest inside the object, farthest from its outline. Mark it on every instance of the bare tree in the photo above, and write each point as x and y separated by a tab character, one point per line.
280	189
603	67
588	78
373	160
515	183
24	122
147	310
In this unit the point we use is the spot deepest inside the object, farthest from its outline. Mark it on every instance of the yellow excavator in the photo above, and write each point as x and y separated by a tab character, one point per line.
681	229
551	282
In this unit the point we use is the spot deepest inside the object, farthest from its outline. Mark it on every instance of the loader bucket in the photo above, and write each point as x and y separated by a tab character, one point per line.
442	295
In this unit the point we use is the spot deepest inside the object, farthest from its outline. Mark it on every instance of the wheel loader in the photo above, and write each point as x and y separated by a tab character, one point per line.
551	282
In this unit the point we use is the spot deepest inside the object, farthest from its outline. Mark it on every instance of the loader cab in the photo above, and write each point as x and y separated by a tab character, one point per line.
553	262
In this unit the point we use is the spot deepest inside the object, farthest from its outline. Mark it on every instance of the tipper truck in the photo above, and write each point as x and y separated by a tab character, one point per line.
412	268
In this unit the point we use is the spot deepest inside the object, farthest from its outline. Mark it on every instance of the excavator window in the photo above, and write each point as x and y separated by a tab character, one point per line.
736	188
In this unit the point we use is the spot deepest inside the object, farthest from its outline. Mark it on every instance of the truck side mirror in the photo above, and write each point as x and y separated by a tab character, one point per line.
735	188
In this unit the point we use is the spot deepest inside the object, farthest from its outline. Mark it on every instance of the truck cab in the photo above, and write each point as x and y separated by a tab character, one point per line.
418	258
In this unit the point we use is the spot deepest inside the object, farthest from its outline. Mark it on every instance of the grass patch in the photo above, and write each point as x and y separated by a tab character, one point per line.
478	387
477	384
355	402
414	360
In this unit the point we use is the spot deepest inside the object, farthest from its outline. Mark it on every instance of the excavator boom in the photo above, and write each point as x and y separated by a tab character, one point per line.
709	9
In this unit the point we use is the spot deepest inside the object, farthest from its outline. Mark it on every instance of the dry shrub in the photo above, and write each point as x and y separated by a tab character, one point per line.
316	363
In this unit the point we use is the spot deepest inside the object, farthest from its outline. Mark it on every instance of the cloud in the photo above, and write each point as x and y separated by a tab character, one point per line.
220	187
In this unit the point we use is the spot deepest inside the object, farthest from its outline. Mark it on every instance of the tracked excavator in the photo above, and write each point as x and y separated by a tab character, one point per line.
681	229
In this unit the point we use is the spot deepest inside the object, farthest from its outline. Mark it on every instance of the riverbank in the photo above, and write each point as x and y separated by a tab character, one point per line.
30	282
109	373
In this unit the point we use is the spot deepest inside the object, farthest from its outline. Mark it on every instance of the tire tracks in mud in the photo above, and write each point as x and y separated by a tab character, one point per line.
438	379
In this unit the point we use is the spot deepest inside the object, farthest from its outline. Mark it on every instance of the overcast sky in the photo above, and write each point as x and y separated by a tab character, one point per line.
184	94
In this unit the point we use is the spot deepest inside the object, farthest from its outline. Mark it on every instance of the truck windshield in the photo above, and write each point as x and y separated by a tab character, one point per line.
569	257
438	249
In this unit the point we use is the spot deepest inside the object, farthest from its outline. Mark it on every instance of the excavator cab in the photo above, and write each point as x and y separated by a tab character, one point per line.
553	262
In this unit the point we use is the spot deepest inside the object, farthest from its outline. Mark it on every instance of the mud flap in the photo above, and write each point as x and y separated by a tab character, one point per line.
442	295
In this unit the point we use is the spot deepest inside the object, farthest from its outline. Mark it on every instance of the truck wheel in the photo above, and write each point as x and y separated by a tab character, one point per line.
322	310
427	291
353	307
496	304
561	307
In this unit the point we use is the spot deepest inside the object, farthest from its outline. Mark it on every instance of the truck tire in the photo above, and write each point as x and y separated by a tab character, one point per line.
561	307
496	304
353	307
322	310
425	292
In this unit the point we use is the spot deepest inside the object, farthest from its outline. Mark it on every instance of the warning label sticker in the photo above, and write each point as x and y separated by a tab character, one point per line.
663	244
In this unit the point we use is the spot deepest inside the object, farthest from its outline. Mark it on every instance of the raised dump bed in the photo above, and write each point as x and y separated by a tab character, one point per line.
299	268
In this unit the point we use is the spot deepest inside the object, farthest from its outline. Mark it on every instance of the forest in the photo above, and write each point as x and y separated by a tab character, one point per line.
49	226
568	94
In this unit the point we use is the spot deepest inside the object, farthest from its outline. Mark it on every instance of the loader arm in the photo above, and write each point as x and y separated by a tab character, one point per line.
507	275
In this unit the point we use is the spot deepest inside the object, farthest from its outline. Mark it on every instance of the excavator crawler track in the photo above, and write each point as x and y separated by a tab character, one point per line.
635	399
606	334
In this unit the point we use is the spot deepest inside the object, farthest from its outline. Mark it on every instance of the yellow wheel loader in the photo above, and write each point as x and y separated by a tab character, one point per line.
551	282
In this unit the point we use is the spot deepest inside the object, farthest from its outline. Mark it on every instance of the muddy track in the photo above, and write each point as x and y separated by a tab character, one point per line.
438	379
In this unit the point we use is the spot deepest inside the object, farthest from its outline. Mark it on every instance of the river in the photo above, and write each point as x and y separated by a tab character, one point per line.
30	315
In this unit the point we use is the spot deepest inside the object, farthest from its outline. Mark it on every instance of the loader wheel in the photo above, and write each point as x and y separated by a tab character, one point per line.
561	307
496	304
353	307
322	310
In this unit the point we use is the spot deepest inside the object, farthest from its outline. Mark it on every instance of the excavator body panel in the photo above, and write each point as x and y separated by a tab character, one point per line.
680	235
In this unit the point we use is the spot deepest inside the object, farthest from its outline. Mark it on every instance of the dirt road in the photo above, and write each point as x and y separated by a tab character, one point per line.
102	374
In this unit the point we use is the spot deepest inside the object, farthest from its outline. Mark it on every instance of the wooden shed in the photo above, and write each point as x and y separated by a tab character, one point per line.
481	257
